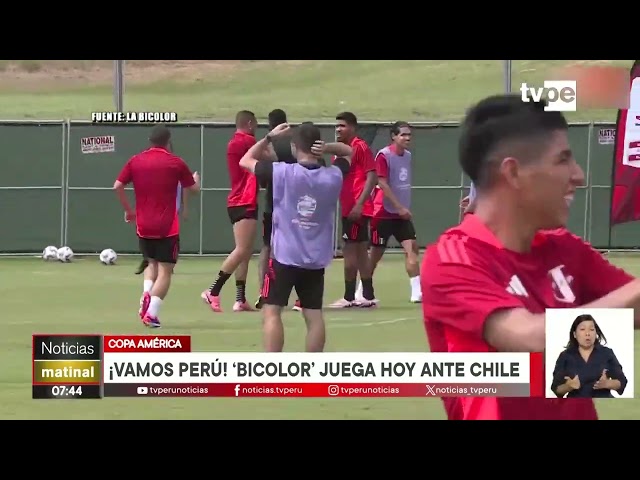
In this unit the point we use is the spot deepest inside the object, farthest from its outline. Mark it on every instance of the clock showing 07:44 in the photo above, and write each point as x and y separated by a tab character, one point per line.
66	390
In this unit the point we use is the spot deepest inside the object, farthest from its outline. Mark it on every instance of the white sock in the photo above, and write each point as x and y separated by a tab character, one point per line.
415	285
154	307
147	285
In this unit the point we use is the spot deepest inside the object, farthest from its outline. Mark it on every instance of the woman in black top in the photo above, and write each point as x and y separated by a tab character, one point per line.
586	368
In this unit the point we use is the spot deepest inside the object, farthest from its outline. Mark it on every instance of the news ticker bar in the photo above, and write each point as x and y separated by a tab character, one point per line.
91	366
324	390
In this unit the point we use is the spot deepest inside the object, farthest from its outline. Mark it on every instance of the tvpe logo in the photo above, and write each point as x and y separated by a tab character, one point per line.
561	95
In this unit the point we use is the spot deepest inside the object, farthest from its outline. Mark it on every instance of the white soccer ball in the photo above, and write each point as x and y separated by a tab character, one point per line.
50	253
108	256
65	254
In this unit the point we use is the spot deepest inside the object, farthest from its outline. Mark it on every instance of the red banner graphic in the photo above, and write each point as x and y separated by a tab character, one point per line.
147	343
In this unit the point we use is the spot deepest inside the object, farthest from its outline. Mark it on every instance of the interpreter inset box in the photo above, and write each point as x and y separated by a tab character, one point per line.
589	353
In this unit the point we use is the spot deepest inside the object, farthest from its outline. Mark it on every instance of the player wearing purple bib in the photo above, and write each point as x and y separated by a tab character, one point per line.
305	199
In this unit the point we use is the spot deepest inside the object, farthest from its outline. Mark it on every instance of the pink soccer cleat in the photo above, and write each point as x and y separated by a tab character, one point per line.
151	322
212	301
145	300
296	306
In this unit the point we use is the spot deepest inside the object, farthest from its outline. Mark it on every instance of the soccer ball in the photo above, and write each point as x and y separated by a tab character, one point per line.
50	253
108	256
65	254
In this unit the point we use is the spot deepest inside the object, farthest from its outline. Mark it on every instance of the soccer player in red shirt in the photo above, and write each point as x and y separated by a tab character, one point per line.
487	282
156	174
357	210
391	207
242	207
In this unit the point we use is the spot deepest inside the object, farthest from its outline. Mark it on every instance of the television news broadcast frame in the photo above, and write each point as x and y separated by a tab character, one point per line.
616	325
92	366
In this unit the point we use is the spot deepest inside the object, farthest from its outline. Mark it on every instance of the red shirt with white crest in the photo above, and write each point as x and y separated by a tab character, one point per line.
467	275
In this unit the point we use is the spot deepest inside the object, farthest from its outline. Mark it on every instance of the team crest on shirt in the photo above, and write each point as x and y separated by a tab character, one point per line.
561	285
306	207
403	175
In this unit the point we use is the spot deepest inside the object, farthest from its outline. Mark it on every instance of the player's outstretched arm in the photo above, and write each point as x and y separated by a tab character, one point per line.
338	149
515	330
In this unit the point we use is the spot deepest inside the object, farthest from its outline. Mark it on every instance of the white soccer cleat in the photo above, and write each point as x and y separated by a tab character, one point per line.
342	303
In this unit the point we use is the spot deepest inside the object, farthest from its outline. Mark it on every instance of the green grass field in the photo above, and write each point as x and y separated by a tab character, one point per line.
38	297
86	297
413	90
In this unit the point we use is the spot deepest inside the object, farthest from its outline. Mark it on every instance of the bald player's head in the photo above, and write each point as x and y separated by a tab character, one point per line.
246	121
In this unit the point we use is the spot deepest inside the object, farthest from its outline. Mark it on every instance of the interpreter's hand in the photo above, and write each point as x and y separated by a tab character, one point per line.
280	130
572	383
603	383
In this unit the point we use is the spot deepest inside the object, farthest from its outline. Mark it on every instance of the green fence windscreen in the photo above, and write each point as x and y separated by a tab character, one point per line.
53	192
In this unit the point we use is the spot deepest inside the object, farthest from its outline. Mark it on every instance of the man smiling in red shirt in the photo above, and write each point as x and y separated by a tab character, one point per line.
487	282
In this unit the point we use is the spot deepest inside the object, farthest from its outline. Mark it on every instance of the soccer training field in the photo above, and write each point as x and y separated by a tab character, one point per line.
87	297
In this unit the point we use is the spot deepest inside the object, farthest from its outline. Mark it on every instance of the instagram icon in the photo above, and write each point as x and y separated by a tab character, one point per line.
334	390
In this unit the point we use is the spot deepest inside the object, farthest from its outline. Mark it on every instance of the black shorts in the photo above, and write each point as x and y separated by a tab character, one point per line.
355	232
383	229
267	228
163	250
281	279
241	213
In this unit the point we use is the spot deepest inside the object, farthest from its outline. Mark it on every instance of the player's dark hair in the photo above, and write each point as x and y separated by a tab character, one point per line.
243	117
277	117
573	341
395	128
349	118
305	136
495	124
160	136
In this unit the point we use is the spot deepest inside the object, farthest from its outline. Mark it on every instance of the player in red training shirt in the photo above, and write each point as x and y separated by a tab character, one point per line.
156	174
242	207
357	210
487	282
391	207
